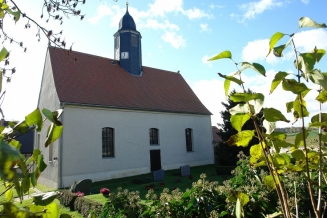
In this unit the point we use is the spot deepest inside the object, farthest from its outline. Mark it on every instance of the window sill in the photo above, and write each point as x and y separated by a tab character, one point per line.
109	157
154	144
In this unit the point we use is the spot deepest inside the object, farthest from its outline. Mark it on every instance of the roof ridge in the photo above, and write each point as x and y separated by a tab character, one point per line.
82	53
168	71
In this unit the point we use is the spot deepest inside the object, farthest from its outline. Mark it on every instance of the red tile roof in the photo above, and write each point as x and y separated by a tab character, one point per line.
215	136
94	80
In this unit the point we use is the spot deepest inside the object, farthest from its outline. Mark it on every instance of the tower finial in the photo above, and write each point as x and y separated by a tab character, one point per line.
126	5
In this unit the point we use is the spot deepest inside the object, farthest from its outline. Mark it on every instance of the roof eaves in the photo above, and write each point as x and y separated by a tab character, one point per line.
133	108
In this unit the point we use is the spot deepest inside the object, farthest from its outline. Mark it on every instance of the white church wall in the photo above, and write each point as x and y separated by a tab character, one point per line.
82	142
48	99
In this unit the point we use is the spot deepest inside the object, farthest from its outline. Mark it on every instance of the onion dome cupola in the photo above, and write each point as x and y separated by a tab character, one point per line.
128	45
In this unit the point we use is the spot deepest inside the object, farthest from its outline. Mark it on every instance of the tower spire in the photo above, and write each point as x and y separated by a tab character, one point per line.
126	6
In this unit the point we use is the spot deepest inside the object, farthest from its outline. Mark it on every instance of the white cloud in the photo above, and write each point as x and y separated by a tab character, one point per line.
204	27
305	41
155	24
102	11
254	8
305	1
173	39
212	6
257	50
160	7
205	60
195	13
211	93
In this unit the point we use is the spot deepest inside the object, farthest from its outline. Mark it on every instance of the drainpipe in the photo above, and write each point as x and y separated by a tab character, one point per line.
60	148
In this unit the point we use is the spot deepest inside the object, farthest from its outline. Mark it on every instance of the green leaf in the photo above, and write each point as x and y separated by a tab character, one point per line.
246	97
52	116
35	118
269	182
15	211
9	156
3	54
277	80
318	78
255	66
298	154
273	40
282	144
21	127
318	124
241	139
49	211
33	179
238	120
256	151
231	78
9	195
269	126
289	106
318	54
26	184
40	163
305	63
299	140
226	87
278	51
297	107
239	109
294	86
54	132
224	54
274	115
15	144
322	97
307	22
315	118
277	136
16	14
244	198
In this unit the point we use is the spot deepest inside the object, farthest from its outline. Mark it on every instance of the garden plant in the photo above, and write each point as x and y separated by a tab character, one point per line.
303	161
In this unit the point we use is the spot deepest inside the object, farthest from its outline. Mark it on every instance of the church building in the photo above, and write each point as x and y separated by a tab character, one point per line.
120	118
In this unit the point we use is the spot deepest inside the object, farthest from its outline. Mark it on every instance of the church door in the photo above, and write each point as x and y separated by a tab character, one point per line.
155	160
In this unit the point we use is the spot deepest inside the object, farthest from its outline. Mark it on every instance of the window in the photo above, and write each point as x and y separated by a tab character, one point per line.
117	42
188	136
107	142
154	136
134	40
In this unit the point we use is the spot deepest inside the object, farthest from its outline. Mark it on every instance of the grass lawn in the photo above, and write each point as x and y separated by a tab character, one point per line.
172	180
291	137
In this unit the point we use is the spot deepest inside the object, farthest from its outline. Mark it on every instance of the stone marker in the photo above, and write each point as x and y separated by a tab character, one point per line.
158	175
185	170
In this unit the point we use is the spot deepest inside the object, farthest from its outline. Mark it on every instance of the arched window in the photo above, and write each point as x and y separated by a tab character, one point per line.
154	136
189	139
108	142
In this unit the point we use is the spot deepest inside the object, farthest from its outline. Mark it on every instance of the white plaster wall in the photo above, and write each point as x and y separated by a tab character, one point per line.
48	99
82	142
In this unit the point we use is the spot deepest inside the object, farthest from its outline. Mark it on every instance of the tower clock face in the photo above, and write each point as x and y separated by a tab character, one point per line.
124	55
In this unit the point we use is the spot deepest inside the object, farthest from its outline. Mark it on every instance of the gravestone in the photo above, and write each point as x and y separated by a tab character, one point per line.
82	186
158	175
185	170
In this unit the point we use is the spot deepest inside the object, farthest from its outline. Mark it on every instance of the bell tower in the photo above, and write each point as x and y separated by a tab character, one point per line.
128	45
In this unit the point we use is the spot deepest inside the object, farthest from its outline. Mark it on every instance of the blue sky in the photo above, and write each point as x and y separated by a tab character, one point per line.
177	35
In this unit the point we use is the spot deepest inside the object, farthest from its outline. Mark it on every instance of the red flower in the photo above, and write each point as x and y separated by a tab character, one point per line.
105	191
79	194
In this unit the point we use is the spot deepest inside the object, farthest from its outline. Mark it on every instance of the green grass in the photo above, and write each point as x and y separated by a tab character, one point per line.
172	180
291	137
